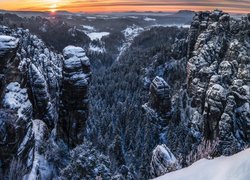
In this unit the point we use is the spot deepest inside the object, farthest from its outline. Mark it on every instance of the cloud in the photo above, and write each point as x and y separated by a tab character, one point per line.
183	3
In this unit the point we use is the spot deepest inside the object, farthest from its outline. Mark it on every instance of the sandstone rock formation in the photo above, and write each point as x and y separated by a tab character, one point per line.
212	106
31	80
163	161
74	107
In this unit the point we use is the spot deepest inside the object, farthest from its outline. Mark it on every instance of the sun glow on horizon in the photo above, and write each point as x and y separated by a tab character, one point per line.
124	5
53	8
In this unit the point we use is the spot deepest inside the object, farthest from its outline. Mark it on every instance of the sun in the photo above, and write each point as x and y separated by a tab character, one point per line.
53	8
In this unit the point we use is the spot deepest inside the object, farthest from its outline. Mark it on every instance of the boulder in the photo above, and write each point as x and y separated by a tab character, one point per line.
163	161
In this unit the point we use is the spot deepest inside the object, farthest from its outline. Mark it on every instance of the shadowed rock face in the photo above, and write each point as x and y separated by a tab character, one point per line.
74	107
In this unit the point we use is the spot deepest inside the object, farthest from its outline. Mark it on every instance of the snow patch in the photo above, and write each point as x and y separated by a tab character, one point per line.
97	35
173	25
130	33
133	17
221	168
149	19
91	17
90	28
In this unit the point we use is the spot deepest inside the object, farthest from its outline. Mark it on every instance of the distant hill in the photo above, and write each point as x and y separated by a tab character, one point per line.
185	12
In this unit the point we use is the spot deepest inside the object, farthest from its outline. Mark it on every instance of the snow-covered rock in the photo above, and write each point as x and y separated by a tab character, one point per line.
30	88
17	99
97	35
163	161
87	27
40	166
149	19
8	45
160	95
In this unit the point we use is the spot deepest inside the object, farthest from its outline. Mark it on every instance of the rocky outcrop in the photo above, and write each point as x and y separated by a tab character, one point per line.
31	81
8	48
163	161
219	65
30	78
160	95
74	107
40	166
212	106
41	96
16	128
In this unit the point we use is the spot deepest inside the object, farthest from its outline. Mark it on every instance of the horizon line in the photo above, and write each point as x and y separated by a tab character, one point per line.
124	11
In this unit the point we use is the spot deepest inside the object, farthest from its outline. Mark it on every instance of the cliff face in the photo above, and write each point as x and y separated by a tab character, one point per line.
212	105
218	79
34	80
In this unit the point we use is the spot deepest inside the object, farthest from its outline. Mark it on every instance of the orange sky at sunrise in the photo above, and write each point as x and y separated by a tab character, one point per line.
236	6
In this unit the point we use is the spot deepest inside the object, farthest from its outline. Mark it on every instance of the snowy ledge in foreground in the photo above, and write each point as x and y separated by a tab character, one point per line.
221	168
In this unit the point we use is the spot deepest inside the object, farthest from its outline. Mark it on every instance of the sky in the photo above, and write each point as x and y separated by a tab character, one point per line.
236	6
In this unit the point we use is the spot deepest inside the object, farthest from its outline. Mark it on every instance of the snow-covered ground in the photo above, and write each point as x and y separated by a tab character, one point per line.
92	33
90	28
97	35
149	19
236	167
91	17
172	25
133	17
130	33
